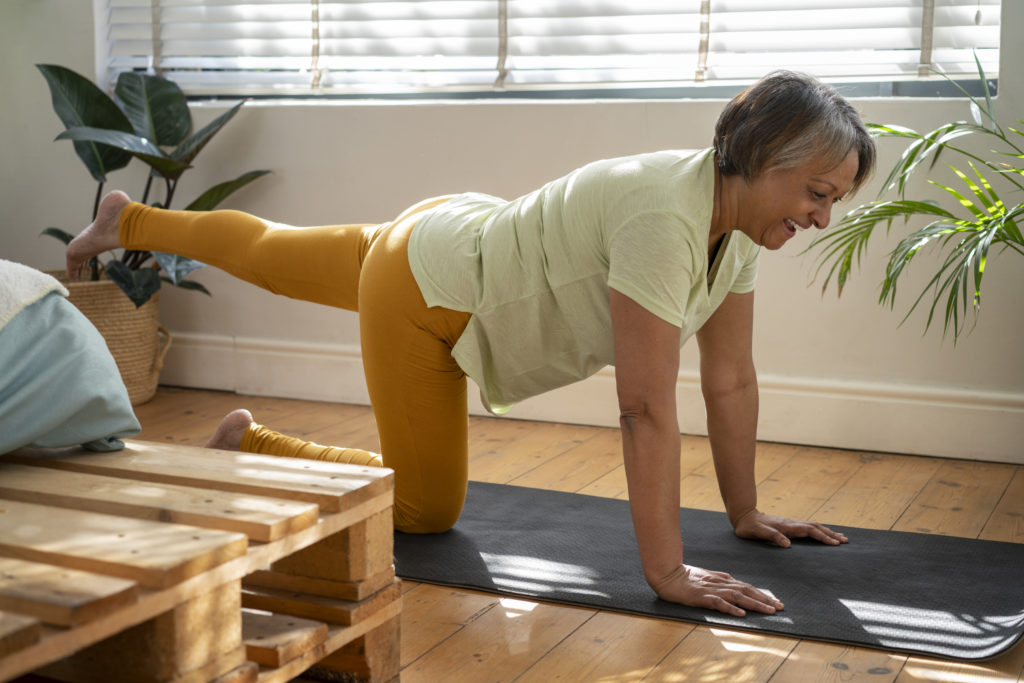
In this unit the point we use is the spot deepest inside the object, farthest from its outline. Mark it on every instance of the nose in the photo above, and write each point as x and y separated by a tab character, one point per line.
820	217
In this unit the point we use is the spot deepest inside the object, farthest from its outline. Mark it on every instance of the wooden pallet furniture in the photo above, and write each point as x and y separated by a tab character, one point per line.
176	563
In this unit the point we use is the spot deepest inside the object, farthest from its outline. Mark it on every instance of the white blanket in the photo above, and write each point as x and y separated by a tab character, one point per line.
21	286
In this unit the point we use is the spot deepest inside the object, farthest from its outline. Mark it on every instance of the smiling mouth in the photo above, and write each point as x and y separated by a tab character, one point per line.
792	226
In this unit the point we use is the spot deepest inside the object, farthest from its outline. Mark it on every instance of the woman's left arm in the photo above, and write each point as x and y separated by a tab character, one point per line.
729	385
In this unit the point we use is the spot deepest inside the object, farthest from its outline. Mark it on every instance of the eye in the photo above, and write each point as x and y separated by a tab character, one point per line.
818	195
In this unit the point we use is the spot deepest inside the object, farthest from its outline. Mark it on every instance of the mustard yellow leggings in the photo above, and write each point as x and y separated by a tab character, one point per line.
417	390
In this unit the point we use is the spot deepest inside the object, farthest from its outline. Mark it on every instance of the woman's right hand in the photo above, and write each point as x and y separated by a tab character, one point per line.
719	591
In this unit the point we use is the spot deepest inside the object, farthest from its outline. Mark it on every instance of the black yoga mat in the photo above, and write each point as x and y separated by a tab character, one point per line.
915	593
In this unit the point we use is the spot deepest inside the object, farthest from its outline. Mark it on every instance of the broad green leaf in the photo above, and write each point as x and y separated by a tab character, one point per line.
78	102
176	267
139	285
188	150
156	107
63	235
216	194
134	145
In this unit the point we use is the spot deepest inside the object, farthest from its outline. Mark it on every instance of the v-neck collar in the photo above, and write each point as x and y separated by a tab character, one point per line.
716	259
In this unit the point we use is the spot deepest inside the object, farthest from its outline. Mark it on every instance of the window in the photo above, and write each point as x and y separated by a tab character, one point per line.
362	47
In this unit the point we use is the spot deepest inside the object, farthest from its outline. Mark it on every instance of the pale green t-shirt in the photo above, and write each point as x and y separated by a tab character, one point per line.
534	272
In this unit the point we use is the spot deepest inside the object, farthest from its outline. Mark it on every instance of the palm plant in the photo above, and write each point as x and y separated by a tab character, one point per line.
148	119
982	220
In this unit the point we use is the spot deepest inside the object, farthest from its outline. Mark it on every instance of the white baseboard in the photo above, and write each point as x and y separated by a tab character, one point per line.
937	421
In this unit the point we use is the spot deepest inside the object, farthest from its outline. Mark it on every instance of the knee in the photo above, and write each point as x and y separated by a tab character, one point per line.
434	519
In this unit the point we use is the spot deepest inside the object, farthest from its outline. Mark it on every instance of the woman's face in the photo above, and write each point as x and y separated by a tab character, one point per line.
781	201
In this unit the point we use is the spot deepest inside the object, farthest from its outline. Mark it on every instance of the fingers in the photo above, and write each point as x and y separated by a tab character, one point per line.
778	538
736	601
779	530
818	532
721	592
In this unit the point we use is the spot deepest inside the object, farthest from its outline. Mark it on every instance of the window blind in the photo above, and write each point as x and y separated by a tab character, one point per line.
226	47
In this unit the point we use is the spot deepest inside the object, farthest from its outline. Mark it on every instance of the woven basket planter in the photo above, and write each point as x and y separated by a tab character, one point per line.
134	336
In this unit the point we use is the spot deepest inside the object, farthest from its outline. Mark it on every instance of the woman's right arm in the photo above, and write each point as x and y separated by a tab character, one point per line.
646	369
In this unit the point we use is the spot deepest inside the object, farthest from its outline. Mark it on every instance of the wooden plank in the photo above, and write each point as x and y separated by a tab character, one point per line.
258	517
500	644
608	647
1007	520
578	466
229	666
356	553
700	490
432	614
173	410
526	631
725	655
808	479
61	596
694	454
17	632
346	590
337	637
153	554
813	661
197	640
879	492
373	657
332	486
318	607
537	443
275	639
248	672
958	500
1006	668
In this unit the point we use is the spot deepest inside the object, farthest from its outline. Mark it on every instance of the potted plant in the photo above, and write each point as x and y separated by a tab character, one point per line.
981	221
147	119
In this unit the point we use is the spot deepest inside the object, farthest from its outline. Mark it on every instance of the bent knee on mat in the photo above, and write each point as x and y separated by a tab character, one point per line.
431	521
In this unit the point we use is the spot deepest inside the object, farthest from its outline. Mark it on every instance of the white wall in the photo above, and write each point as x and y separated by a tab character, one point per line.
833	372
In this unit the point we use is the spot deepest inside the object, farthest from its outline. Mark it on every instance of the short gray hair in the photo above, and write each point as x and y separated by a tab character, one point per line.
786	119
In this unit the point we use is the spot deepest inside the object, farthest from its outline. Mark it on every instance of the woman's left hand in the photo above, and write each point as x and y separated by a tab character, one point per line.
758	525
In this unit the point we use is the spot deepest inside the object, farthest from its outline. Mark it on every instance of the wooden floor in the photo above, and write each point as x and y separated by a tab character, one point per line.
464	636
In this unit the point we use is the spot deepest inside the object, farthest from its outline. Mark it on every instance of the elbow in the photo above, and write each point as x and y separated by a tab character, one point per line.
641	415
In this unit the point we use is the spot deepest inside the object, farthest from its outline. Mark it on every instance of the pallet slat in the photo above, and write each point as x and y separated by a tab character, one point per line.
276	639
259	517
331	610
153	554
337	638
17	632
346	590
330	485
61	596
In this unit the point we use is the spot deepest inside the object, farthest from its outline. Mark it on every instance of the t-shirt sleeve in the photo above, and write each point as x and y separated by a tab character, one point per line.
651	262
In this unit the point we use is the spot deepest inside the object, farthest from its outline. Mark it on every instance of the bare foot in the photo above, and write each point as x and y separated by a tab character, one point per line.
99	236
228	436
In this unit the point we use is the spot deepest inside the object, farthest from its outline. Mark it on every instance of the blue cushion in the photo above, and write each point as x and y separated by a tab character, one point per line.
59	385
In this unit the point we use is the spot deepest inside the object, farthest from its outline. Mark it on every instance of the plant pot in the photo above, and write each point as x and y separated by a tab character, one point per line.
133	335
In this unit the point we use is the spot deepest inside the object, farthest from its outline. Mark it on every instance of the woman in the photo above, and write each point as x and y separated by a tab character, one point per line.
617	263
